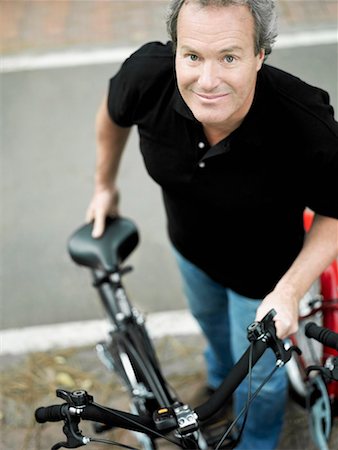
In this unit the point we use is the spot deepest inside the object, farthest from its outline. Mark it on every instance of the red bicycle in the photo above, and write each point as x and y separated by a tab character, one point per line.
315	389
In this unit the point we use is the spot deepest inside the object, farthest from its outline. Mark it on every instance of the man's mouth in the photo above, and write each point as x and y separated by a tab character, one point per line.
211	97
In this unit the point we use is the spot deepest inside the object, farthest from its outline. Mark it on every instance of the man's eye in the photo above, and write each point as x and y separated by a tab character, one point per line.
193	57
229	58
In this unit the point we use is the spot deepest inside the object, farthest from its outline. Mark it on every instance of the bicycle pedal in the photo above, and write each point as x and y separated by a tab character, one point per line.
101	428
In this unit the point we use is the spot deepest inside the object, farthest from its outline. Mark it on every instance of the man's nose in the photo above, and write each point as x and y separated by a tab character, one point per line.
208	78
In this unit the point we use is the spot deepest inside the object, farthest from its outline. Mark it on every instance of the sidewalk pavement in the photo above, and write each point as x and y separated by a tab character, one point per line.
56	25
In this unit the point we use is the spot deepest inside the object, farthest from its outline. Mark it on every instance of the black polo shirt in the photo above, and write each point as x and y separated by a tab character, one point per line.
234	209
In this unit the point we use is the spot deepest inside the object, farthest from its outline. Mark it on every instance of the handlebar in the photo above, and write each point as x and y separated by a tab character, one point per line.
330	339
108	416
53	413
80	405
321	334
97	413
262	335
230	383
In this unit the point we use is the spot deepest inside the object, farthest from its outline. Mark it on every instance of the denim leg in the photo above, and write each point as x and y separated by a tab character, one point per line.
266	414
208	303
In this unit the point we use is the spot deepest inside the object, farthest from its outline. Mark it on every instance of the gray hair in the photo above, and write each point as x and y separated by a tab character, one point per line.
263	12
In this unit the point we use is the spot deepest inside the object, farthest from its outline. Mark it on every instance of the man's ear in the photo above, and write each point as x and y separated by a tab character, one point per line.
260	59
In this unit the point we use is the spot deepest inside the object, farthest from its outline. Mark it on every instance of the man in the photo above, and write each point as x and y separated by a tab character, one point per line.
239	150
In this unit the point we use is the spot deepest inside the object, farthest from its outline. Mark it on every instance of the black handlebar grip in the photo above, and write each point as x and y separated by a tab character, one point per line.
323	335
53	413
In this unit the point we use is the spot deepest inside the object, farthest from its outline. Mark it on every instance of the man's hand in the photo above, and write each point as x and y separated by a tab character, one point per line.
103	204
319	250
286	307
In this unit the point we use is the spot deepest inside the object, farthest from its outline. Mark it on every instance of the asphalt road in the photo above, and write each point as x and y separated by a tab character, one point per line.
47	179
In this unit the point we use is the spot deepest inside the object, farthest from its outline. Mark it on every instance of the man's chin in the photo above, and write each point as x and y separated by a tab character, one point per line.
208	119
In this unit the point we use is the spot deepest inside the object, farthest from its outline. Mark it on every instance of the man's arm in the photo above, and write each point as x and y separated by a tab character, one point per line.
110	141
319	250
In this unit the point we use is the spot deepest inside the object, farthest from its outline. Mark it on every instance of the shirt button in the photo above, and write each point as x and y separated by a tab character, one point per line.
201	164
201	145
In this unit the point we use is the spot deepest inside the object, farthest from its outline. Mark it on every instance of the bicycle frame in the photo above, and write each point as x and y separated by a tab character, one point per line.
128	326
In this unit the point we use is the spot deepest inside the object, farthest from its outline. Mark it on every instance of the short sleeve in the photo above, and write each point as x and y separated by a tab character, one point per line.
321	163
132	91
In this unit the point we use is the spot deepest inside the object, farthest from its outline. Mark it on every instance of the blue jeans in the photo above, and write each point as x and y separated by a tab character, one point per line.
223	316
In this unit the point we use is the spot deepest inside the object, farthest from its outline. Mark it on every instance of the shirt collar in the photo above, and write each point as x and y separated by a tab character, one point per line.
180	106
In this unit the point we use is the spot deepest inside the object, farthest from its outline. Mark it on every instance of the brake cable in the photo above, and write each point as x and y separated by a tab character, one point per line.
264	330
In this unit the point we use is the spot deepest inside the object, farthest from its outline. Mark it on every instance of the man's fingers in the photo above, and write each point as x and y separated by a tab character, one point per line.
285	327
102	205
89	215
281	329
98	227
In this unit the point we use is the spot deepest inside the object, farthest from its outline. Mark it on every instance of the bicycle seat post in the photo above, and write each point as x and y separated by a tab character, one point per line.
113	296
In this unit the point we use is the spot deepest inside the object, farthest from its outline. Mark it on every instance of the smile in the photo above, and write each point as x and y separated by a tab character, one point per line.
211	97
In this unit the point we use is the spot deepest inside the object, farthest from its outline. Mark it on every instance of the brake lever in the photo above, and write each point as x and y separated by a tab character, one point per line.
74	437
266	330
329	371
77	401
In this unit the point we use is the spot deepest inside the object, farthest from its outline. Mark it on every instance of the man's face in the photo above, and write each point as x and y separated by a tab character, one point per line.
216	65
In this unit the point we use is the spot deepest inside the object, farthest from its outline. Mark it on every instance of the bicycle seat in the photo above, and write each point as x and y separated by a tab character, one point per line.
107	252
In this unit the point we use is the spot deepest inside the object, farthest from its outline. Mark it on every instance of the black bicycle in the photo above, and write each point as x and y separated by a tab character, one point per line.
156	411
